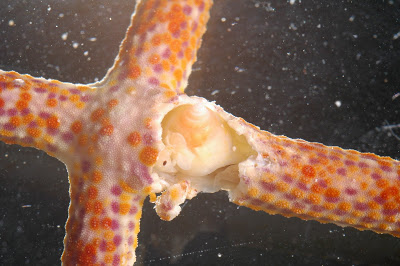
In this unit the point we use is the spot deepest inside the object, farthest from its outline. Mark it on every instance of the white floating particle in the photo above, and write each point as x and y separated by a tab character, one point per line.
351	19
86	53
319	26
239	70
93	39
292	2
338	103
214	92
223	19
396	95
64	36
11	23
75	45
292	26
219	255
396	36
61	15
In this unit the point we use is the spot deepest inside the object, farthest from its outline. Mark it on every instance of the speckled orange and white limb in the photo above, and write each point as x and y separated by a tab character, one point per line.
153	65
315	182
41	113
160	45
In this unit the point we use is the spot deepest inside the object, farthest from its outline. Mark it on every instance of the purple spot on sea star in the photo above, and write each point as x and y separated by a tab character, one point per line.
302	186
194	26
39	90
379	200
25	111
367	220
339	212
183	24
115	207
268	186
114	225
67	137
350	191
116	190
133	210
44	115
103	245
116	260
332	199
386	168
390	212
349	162
63	98
376	176
317	208
9	127
117	240
131	226
187	10
154	81
85	166
287	178
114	88
333	157
85	98
341	171
52	131
166	53
157	68
12	112
202	6
361	206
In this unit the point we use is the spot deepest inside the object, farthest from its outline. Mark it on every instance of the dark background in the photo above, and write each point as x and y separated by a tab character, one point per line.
277	65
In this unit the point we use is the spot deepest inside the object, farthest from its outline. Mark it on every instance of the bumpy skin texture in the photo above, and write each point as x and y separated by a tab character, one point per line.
109	136
296	178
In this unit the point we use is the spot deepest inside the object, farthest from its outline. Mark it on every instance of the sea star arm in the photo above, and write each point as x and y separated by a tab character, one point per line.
112	172
311	181
160	45
41	113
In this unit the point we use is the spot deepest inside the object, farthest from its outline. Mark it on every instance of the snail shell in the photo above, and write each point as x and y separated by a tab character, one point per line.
199	140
